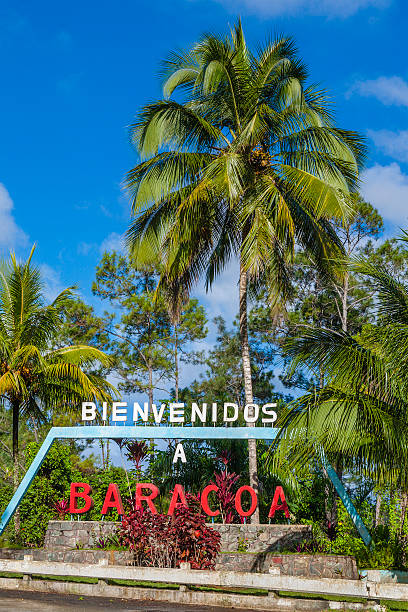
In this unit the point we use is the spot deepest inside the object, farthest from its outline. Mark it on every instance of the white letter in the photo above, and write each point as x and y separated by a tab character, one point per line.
158	415
143	413
230	419
179	454
251	409
196	412
119	411
104	411
270	413
214	412
88	411
176	416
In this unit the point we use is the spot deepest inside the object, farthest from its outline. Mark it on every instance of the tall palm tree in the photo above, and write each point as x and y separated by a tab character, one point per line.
244	163
36	379
360	412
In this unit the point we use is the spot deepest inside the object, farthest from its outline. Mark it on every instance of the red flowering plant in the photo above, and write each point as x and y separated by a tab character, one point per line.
197	543
225	495
136	451
62	508
225	458
160	540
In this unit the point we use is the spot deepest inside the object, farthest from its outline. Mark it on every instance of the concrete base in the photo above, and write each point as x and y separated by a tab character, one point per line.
186	597
309	566
384	576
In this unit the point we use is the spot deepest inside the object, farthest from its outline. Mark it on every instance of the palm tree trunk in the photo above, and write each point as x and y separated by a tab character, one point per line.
344	305
247	373
378	510
404	507
102	443
176	363
150	395
35	430
150	383
16	413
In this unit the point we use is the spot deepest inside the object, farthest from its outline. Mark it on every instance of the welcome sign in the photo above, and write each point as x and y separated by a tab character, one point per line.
179	413
176	412
163	432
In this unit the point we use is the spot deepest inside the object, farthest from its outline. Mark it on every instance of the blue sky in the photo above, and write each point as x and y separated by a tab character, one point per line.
74	74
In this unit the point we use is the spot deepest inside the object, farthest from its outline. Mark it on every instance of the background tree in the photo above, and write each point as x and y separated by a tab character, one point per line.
334	301
248	163
147	345
81	325
35	379
345	302
364	222
222	381
360	412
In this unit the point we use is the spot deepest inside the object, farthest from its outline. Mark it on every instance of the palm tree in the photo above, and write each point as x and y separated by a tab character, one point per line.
245	163
36	379
360	412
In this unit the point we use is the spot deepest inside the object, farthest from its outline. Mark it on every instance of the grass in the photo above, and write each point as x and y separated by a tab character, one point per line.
343	598
146	584
395	605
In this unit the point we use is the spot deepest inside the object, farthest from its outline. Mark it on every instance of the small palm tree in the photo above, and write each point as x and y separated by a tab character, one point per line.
36	379
359	413
244	163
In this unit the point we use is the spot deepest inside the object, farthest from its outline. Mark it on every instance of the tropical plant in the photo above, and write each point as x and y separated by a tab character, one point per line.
136	451
225	481
160	540
359	412
244	164
61	506
35	379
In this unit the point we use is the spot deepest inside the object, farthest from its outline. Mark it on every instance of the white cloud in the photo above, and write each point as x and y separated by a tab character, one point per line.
394	144
105	211
52	282
11	235
84	248
392	91
386	188
113	242
324	8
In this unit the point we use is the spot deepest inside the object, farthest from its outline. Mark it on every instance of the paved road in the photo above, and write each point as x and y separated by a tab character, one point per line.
15	601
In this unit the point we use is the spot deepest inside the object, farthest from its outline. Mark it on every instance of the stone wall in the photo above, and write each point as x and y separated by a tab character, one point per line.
114	557
251	538
61	535
310	566
261	538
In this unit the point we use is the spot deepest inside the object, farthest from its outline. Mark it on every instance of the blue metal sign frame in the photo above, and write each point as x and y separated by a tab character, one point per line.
104	432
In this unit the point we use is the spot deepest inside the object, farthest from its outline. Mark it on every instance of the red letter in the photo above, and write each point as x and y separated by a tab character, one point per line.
178	492
254	501
275	506
74	494
204	500
139	497
113	499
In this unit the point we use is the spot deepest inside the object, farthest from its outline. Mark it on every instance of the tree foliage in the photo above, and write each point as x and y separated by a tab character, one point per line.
360	410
